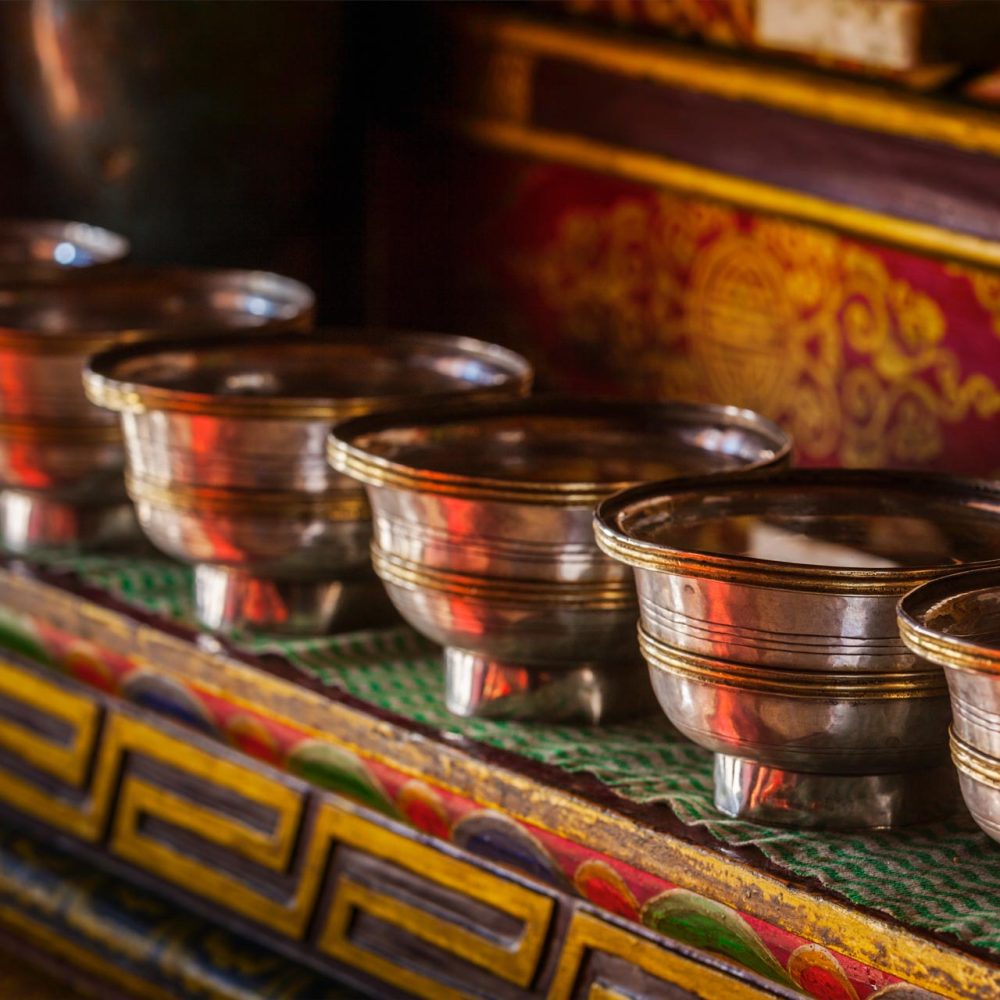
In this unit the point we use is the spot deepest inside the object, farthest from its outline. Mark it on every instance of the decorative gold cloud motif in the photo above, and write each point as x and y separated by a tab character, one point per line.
689	300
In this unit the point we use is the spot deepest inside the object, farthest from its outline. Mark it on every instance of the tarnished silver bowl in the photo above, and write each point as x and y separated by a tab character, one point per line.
767	618
483	537
42	249
60	457
954	622
227	467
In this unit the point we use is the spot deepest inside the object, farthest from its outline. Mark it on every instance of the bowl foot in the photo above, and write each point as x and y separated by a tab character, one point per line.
32	523
483	687
228	599
745	789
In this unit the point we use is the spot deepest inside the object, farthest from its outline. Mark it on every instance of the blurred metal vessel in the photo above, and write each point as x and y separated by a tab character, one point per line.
483	537
60	457
227	464
767	618
44	249
206	131
955	622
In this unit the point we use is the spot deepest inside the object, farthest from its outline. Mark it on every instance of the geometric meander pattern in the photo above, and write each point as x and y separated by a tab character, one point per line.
64	907
301	865
943	877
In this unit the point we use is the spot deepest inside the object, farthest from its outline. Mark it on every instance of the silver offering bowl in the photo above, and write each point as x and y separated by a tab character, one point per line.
43	249
225	442
767	618
483	537
60	457
954	622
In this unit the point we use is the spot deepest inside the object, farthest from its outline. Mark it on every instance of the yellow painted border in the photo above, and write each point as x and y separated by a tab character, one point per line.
923	237
588	933
20	923
516	964
273	851
67	763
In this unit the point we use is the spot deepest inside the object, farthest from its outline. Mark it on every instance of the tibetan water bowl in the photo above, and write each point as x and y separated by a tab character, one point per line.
954	622
60	457
43	249
226	449
483	538
767	619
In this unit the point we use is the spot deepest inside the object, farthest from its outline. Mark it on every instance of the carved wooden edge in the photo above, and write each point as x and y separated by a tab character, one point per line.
815	915
504	105
348	887
861	104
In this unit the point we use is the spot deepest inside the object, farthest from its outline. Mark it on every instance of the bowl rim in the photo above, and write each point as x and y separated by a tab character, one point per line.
375	470
949	651
135	396
615	541
105	245
98	281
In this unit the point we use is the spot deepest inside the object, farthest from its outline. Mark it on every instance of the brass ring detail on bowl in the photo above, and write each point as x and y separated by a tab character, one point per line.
346	505
973	762
599	595
792	683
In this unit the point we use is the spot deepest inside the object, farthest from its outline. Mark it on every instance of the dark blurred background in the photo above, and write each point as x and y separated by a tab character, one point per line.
212	132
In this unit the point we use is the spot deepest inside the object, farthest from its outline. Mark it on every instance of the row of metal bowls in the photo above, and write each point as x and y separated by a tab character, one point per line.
64	295
766	599
768	619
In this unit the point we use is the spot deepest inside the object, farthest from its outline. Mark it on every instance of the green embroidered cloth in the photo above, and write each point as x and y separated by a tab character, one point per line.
942	877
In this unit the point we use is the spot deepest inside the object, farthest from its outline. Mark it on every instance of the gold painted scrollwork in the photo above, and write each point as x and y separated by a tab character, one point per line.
692	301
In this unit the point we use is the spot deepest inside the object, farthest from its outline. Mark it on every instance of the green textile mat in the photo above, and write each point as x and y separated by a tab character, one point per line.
941	877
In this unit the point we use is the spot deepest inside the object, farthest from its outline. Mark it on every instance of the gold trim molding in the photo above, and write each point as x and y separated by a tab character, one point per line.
756	196
863	105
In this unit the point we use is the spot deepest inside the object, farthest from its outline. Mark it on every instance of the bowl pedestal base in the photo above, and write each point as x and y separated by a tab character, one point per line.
229	599
746	789
32	523
484	687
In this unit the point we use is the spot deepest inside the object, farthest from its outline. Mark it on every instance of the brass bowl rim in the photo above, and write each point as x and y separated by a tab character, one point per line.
104	245
591	595
754	571
375	470
122	395
949	651
972	761
337	505
26	340
802	684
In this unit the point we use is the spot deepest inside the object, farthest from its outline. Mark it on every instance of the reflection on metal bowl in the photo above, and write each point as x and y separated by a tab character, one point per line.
44	249
483	537
955	622
768	621
226	459
55	447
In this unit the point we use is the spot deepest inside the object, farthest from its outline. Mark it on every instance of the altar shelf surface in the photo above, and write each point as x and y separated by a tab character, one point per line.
617	820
